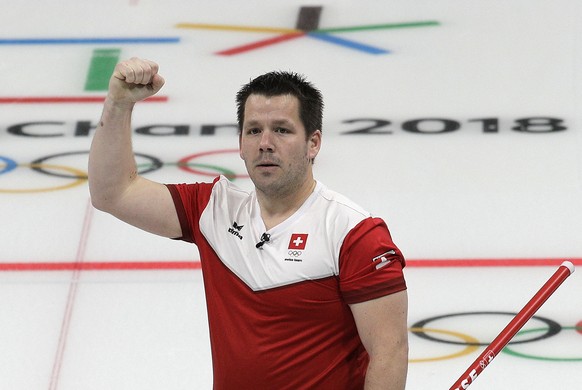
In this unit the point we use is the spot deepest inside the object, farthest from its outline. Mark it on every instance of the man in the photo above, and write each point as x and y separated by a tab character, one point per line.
304	289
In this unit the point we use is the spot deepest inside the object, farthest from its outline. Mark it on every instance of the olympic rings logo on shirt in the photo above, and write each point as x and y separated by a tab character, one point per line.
469	343
77	176
295	253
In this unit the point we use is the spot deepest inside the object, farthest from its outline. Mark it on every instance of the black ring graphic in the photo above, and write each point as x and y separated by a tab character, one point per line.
155	164
553	328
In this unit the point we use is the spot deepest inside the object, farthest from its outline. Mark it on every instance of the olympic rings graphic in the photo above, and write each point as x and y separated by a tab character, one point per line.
78	176
471	344
154	165
553	327
295	253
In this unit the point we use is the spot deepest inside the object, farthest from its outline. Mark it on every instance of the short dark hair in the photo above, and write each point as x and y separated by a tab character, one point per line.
285	83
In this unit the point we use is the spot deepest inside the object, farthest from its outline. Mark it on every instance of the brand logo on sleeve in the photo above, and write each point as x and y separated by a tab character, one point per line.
383	260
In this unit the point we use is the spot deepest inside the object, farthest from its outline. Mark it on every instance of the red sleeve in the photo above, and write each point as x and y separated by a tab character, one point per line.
370	263
190	201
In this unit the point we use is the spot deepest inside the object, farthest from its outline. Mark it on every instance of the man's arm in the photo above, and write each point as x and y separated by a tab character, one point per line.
114	183
382	326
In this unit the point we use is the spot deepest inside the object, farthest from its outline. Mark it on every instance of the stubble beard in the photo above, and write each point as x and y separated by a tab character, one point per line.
285	185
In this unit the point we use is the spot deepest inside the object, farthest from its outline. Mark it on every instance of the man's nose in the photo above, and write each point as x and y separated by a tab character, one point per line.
266	143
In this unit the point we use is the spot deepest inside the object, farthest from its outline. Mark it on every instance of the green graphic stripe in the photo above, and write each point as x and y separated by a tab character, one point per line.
102	64
426	23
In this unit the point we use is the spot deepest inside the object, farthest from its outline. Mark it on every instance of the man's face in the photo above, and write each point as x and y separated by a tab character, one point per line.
273	145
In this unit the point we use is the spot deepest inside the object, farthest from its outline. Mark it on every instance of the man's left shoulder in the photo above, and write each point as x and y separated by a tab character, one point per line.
342	205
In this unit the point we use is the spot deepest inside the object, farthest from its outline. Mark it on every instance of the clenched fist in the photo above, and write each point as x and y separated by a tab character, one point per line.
134	80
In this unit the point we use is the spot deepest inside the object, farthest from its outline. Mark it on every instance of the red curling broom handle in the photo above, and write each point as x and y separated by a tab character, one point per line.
469	376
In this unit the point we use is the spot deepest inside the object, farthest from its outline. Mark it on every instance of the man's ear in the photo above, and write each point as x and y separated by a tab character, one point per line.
240	146
314	144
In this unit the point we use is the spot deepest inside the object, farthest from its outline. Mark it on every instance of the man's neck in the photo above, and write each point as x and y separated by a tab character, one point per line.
276	209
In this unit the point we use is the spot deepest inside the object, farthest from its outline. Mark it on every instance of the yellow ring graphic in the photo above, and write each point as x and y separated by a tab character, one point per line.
77	172
467	350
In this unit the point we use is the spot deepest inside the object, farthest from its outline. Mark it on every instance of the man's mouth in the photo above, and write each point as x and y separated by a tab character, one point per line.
267	164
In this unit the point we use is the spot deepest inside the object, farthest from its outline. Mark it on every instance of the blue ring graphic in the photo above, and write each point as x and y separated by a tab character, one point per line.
10	165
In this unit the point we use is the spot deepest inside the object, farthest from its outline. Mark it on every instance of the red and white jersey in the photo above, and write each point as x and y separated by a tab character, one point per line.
279	315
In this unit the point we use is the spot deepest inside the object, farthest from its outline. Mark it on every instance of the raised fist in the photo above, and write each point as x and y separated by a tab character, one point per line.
134	80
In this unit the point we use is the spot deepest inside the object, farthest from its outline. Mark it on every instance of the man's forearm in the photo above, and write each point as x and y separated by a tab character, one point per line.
388	373
111	162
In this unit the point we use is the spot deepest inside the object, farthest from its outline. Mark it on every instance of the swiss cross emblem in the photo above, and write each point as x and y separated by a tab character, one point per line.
298	241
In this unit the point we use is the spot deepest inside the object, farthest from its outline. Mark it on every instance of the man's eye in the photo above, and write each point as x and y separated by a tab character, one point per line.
281	130
253	131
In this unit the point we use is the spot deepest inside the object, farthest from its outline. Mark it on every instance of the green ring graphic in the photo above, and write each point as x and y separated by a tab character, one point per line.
510	351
